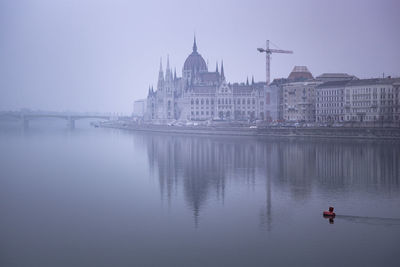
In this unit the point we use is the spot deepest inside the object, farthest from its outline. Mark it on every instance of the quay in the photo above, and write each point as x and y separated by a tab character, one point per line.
264	131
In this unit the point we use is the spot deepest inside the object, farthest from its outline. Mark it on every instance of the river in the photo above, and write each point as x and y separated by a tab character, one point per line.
107	197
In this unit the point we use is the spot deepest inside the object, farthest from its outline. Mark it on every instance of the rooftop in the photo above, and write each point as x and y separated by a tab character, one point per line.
300	73
360	82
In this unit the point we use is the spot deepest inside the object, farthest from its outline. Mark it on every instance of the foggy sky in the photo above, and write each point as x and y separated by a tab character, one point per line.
92	55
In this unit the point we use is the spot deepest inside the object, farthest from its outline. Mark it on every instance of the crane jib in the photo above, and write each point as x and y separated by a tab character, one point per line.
268	52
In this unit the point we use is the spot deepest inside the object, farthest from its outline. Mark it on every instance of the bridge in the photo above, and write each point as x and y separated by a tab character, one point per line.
26	118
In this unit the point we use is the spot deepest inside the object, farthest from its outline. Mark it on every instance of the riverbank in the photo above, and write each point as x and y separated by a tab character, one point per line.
303	132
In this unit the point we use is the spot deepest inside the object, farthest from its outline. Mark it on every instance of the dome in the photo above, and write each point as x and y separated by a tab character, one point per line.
194	62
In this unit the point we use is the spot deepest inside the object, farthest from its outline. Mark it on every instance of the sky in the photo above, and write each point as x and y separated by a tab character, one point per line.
100	56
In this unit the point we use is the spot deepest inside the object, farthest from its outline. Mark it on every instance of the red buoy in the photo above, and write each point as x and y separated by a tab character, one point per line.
329	213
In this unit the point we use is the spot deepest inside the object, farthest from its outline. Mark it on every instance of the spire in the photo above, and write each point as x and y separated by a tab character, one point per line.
194	45
252	79
167	63
247	80
222	71
168	72
174	73
160	77
216	68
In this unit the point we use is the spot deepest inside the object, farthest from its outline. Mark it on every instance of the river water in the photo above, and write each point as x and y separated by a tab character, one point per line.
106	197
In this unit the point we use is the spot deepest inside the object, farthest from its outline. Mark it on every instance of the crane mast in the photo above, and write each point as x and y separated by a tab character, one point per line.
268	63
268	53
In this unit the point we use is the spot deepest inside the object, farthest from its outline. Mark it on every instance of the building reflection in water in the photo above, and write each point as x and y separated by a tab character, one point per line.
203	165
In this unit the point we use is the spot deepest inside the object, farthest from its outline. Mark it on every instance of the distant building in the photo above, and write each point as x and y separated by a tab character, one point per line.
201	94
363	100
139	107
297	96
372	100
284	109
299	101
330	101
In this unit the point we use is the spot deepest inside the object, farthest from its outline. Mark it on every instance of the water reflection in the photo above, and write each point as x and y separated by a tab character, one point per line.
203	166
366	220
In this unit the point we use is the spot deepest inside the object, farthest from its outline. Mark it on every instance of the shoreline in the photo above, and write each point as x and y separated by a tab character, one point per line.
389	134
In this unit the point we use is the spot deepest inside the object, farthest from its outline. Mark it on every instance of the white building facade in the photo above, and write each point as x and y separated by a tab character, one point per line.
365	100
299	101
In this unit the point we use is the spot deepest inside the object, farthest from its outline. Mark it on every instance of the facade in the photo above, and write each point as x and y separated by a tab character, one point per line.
330	101
201	94
139	107
364	100
273	94
277	86
294	96
299	101
297	96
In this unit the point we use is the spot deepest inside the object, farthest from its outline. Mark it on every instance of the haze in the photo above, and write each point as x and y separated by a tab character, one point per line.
102	55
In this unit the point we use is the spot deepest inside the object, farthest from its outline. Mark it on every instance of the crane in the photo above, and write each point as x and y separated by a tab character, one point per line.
268	53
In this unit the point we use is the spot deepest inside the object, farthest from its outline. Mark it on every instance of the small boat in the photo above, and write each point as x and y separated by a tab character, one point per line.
329	213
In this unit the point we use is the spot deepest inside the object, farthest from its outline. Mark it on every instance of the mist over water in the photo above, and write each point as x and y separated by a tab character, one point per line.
102	197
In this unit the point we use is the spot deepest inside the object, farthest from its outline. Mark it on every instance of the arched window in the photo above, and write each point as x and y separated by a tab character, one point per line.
212	101
197	101
207	101
202	101
192	101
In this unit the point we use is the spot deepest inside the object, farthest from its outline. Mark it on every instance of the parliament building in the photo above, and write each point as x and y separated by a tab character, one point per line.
200	95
